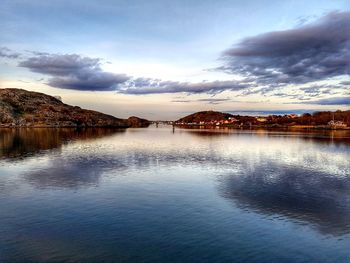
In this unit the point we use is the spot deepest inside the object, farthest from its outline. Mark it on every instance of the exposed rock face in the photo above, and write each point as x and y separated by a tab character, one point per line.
21	108
136	122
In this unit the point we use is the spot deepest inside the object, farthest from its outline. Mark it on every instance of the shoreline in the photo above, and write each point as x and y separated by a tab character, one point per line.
241	127
59	127
284	127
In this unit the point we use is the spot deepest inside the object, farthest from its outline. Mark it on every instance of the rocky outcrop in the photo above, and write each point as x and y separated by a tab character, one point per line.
21	108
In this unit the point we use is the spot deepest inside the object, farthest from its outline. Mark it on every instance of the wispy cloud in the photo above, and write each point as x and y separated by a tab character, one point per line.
8	53
331	101
182	101
214	100
152	86
268	112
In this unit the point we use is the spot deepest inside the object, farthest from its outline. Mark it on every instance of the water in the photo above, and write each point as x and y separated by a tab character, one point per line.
154	195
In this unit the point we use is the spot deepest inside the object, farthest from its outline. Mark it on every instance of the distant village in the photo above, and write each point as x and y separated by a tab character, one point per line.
329	120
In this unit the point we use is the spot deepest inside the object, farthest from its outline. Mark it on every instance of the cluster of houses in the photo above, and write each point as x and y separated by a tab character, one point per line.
230	120
258	119
265	119
336	124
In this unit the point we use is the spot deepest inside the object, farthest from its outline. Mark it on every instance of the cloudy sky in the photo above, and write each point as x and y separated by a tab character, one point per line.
162	59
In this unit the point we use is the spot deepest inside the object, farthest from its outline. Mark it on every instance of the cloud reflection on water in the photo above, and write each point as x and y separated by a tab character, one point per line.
307	195
302	177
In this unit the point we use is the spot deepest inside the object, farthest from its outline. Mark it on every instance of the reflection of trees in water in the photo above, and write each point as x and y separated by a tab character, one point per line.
78	168
337	137
298	193
300	188
28	141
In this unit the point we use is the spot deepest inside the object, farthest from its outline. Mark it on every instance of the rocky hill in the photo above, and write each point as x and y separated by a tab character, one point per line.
205	116
21	108
137	122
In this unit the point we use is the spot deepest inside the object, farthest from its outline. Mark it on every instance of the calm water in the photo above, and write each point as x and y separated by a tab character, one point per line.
154	195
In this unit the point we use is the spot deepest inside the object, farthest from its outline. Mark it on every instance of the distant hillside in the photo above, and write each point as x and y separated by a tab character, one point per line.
136	122
205	116
323	119
21	108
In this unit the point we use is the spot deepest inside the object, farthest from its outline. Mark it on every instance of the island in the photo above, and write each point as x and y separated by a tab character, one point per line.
22	108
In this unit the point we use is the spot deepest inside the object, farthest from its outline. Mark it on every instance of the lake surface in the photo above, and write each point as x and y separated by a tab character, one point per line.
189	195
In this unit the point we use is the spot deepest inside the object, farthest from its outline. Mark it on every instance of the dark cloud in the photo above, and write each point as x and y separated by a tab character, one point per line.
213	100
305	55
316	90
208	100
331	101
72	71
182	101
345	82
312	52
153	86
60	65
8	53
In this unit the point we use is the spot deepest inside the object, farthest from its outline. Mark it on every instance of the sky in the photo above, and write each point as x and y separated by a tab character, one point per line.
161	59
